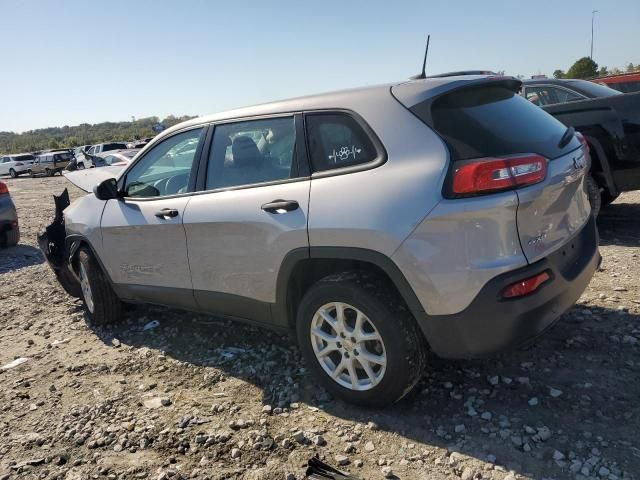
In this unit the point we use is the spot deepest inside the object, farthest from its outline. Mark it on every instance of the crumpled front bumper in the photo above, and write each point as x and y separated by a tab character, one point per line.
52	243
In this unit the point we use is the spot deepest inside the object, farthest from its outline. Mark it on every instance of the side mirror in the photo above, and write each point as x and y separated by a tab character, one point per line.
106	190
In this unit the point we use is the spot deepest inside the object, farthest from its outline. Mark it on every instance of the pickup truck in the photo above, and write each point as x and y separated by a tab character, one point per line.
610	123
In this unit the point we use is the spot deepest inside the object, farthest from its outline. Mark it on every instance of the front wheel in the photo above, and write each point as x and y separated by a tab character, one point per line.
81	166
359	340
102	304
13	173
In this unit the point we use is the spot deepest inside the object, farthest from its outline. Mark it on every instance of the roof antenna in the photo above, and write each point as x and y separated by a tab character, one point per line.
424	63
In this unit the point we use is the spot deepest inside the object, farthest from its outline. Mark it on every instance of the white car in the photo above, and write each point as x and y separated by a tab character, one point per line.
14	165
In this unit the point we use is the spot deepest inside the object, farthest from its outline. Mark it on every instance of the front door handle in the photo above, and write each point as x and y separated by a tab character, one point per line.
167	213
280	206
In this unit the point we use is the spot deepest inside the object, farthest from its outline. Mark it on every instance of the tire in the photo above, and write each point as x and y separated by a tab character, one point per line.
81	166
401	344
33	175
49	173
102	304
607	199
595	197
11	238
13	173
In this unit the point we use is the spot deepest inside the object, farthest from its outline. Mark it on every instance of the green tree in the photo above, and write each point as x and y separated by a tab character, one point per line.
53	143
558	74
631	68
603	71
583	68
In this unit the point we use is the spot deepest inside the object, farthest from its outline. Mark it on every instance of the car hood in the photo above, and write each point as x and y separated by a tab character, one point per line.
88	178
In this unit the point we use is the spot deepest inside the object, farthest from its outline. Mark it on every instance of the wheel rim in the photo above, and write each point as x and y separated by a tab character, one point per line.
86	288
348	346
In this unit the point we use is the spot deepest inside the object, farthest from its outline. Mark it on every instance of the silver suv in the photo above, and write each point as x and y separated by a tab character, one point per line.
446	215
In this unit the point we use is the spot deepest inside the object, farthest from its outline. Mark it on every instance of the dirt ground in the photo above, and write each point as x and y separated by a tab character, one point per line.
199	397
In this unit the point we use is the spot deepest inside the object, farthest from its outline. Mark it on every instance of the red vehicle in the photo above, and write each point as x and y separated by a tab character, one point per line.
624	82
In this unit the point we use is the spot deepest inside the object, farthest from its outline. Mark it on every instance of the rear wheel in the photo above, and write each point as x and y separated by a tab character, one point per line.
81	166
101	302
11	237
595	197
359	340
49	173
13	173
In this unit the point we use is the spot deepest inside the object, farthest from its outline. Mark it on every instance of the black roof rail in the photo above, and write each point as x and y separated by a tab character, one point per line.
463	72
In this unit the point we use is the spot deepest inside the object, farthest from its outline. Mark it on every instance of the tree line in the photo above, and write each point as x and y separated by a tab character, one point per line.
586	67
83	134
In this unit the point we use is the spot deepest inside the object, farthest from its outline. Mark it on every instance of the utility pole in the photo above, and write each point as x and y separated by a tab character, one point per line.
593	14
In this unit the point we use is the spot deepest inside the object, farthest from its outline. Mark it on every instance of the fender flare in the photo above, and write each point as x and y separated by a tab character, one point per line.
73	243
604	164
380	260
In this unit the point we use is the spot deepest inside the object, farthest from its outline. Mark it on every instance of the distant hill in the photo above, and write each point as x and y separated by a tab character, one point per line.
83	134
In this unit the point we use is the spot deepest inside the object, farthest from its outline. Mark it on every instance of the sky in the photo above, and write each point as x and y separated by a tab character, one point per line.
66	62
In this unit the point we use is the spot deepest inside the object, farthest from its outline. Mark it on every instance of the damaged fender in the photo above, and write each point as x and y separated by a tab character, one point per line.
52	243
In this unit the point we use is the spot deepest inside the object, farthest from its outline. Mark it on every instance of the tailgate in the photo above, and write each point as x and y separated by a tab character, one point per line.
552	212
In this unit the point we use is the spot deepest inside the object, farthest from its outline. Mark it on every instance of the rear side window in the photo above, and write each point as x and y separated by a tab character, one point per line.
21	158
492	121
337	140
63	157
113	146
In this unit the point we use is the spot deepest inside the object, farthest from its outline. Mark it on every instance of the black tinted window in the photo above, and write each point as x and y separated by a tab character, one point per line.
593	89
24	157
492	121
336	141
256	151
113	146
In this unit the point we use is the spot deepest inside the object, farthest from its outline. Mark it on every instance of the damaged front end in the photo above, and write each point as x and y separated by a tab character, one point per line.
52	242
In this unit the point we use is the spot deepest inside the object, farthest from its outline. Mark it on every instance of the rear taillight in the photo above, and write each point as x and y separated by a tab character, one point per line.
3	188
486	175
526	286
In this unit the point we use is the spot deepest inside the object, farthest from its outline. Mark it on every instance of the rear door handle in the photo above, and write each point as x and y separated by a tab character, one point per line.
167	213
280	206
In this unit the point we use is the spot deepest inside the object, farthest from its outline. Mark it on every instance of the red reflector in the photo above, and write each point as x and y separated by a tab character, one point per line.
495	174
583	141
525	287
4	188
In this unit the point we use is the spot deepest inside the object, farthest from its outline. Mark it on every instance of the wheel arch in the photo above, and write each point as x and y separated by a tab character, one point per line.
302	267
600	165
73	244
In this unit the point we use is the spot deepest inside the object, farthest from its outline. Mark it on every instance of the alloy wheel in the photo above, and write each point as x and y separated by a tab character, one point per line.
348	346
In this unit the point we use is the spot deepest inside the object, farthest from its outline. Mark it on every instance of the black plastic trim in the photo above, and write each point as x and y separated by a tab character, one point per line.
343	253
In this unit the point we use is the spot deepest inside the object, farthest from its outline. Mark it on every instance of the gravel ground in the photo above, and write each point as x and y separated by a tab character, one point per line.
200	397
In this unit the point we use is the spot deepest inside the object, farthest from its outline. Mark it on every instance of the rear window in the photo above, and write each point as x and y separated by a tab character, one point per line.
24	157
593	89
492	121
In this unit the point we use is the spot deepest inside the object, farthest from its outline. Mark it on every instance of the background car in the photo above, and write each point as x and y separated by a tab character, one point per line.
610	124
115	157
14	165
9	229
106	147
51	163
81	160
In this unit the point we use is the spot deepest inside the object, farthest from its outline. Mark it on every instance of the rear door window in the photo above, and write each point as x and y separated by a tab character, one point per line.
490	121
337	140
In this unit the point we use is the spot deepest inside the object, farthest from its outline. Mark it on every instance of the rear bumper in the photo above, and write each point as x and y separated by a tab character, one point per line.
491	324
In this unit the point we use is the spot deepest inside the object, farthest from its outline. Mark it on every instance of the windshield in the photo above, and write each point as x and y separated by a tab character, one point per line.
593	89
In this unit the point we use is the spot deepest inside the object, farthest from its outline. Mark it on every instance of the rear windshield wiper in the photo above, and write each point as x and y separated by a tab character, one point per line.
566	137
